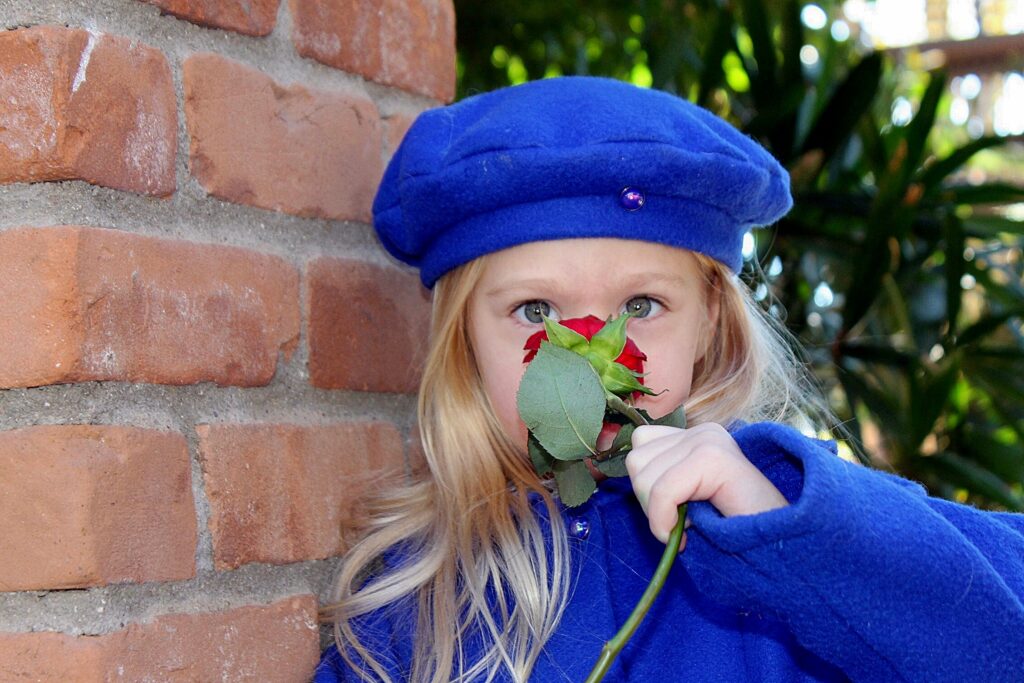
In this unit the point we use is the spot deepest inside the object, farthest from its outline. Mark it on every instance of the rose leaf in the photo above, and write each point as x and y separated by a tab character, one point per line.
575	483
542	461
562	403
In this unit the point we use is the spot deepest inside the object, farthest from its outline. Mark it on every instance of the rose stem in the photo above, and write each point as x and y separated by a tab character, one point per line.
612	648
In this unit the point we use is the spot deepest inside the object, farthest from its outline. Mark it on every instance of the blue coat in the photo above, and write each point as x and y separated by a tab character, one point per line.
862	577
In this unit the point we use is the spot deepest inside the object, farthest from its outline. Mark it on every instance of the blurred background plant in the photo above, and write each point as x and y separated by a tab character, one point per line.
899	269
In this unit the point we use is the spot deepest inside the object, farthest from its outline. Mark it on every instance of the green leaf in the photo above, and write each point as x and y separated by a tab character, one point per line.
624	439
986	193
563	337
932	176
992	226
851	99
954	267
985	326
543	463
970	476
613	467
712	74
755	20
562	402
610	340
921	125
677	419
575	483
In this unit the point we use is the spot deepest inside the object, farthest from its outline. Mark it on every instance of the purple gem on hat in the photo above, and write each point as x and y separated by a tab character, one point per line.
631	198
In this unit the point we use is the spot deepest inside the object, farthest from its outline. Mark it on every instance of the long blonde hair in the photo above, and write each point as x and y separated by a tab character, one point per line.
476	561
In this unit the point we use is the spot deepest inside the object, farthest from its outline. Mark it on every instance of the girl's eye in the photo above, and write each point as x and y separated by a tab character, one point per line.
641	307
533	312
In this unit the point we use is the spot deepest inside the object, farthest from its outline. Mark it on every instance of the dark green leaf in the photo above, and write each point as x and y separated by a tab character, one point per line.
721	42
917	131
878	353
930	399
970	476
543	463
677	419
992	226
954	267
624	438
851	99
575	483
987	193
755	20
613	467
987	325
932	176
562	402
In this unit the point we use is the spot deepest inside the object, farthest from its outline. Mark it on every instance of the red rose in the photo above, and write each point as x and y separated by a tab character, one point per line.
631	357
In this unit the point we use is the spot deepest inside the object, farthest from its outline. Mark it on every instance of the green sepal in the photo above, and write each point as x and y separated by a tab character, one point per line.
575	483
620	380
563	337
610	340
542	461
614	466
562	402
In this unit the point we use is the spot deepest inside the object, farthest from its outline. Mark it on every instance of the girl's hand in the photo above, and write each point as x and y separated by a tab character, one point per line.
669	467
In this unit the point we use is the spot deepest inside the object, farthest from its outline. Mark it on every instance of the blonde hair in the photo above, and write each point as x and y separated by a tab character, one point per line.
475	559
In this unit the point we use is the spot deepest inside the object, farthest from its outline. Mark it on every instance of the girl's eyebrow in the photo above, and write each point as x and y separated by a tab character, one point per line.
638	282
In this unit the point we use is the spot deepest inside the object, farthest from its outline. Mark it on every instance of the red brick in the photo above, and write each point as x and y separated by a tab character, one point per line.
80	105
290	149
86	505
285	493
409	44
81	304
275	642
251	17
368	326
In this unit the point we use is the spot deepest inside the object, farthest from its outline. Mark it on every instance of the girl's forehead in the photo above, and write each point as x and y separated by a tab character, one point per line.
590	255
589	263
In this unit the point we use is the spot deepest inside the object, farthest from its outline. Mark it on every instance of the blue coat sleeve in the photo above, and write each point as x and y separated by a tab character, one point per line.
869	572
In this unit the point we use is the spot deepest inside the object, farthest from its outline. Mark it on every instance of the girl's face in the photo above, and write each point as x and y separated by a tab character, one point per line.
571	278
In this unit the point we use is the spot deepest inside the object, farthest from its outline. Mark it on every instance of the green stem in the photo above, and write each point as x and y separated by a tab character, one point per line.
617	404
612	648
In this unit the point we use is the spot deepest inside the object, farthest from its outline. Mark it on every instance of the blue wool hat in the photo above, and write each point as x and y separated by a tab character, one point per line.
574	156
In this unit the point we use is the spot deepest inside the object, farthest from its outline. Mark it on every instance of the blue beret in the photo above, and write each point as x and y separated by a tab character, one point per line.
574	156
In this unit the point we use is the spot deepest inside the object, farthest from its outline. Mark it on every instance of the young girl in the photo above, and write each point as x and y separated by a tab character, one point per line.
576	196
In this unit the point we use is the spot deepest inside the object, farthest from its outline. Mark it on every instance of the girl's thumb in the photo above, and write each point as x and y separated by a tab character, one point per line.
647	433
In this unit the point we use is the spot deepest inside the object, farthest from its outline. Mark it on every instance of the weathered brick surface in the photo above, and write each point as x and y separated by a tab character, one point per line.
368	326
251	17
396	126
84	505
81	105
409	44
275	642
291	149
80	304
286	493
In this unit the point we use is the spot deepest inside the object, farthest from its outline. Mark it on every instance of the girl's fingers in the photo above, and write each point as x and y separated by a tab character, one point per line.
647	433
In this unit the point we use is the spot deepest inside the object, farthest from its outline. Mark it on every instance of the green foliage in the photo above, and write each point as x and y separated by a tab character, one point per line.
562	402
902	280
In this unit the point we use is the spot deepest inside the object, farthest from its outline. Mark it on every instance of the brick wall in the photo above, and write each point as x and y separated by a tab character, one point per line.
205	357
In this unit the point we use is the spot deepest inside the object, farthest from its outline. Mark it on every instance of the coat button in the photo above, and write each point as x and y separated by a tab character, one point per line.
631	198
579	527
